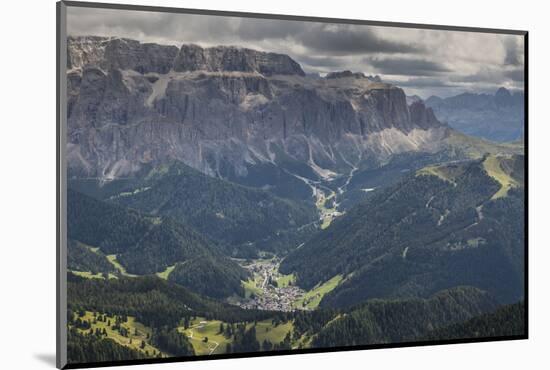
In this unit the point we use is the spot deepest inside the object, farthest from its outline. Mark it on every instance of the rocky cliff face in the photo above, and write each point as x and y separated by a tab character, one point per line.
120	53
117	53
224	110
232	59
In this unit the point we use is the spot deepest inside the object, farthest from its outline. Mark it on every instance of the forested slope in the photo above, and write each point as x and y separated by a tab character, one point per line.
230	213
444	226
145	244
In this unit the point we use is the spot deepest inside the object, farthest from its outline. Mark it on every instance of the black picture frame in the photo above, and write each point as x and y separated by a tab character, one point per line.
61	186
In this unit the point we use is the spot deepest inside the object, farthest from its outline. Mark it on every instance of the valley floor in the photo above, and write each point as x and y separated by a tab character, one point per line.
270	290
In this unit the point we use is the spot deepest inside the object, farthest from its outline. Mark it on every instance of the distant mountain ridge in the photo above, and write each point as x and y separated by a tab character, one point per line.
225	110
126	54
222	191
497	117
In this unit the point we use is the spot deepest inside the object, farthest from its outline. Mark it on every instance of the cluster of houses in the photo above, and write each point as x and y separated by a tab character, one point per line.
275	299
272	297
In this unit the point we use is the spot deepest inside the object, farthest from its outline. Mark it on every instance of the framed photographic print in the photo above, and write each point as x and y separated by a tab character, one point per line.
236	184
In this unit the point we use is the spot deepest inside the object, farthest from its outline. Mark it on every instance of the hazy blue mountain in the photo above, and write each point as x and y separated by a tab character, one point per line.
497	117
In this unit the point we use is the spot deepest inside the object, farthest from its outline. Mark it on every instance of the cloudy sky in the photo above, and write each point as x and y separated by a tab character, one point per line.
423	62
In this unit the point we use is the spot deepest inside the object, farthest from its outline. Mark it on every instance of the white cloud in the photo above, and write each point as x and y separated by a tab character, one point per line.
425	61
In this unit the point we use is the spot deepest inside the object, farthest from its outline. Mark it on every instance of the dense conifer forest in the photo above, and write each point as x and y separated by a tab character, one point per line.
434	255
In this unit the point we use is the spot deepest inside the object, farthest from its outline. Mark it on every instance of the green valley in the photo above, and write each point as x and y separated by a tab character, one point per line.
224	200
313	297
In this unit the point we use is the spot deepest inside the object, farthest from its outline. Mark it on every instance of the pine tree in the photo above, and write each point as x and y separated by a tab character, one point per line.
266	345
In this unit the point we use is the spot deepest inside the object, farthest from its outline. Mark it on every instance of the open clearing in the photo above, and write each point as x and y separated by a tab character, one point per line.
327	214
313	297
112	258
90	275
253	287
164	274
285	280
199	329
265	330
137	332
435	171
492	166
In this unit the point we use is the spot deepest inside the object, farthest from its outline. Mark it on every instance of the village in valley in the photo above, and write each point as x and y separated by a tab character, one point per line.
269	289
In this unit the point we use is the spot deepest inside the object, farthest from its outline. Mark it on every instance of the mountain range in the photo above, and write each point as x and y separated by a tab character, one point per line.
204	177
497	117
227	110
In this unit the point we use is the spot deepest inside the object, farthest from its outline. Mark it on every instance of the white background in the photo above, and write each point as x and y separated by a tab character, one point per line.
27	155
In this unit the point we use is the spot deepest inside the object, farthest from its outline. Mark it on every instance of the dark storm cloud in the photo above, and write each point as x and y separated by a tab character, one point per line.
515	74
328	38
406	67
317	37
151	26
512	55
260	29
350	40
320	61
